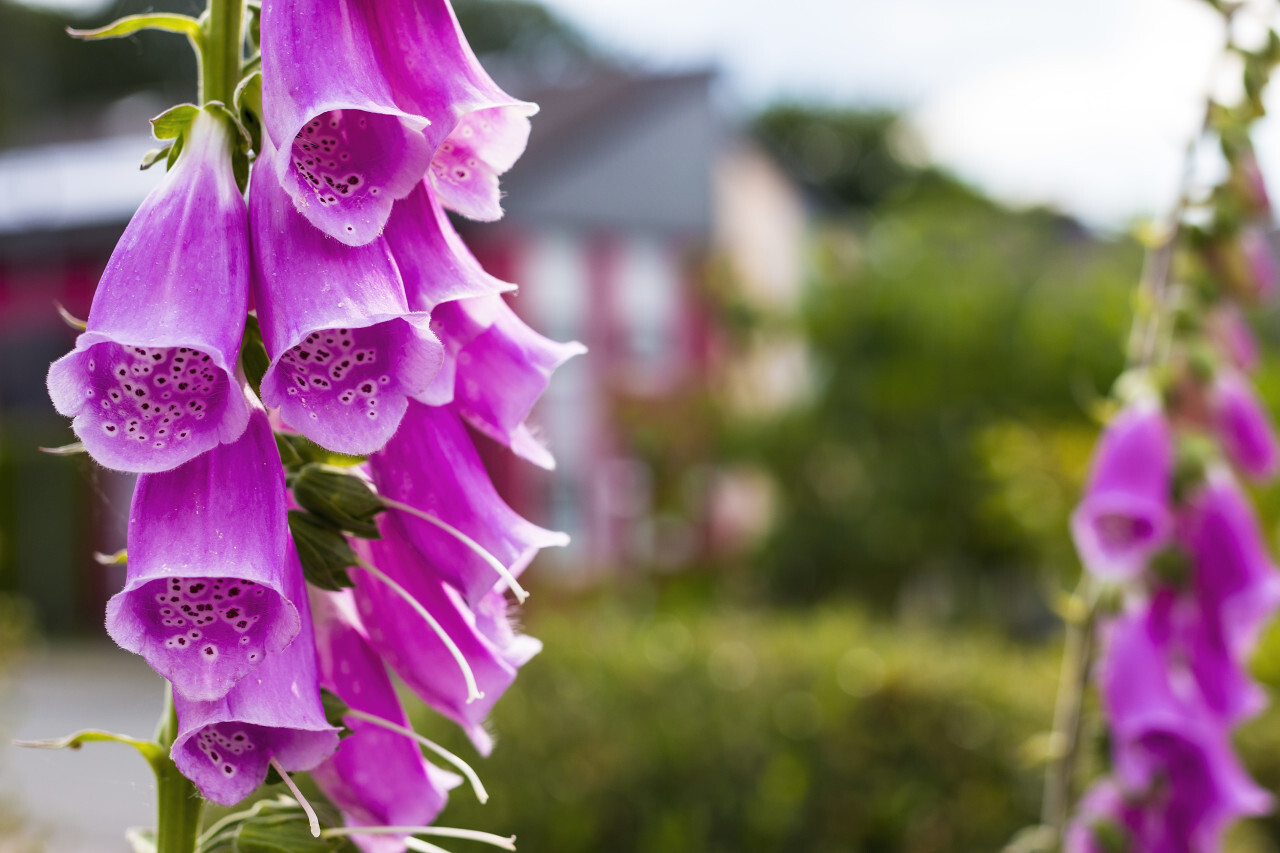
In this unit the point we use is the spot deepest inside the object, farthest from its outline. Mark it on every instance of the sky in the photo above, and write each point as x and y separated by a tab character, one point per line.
1085	105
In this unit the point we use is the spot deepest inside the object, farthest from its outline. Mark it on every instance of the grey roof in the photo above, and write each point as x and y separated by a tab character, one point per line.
620	151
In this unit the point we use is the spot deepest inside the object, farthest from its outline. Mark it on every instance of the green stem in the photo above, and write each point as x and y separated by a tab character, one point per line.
179	803
222	61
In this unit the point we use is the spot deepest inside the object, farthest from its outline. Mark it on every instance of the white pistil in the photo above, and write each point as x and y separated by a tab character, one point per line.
419	846
297	795
496	564
503	842
481	794
473	689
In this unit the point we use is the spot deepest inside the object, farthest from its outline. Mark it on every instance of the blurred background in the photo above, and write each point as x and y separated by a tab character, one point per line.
853	277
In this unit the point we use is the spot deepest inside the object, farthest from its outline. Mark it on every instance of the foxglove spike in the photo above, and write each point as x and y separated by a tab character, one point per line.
1260	260
349	150
377	777
206	600
477	130
1244	428
1230	331
432	465
1124	517
485	638
1168	753
224	746
150	383
346	352
1234	579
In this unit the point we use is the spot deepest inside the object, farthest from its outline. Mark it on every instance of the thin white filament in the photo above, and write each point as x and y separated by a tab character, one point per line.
496	564
463	767
302	801
420	846
500	841
473	689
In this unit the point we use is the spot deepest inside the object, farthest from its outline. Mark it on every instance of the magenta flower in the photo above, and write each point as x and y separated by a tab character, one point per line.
432	466
377	777
1260	261
224	746
484	638
1244	427
1230	331
346	352
348	150
1235	582
1124	517
150	383
205	599
477	131
1169	754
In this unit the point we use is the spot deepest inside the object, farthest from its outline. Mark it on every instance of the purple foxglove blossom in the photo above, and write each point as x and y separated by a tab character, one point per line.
1260	261
1168	753
224	746
377	777
485	638
346	352
477	130
1124	517
1103	815
1244	428
150	382
206	600
432	465
1234	578
348	149
1230	331
495	367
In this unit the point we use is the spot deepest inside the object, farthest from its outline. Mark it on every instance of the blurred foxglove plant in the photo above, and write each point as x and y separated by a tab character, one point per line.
1178	581
272	579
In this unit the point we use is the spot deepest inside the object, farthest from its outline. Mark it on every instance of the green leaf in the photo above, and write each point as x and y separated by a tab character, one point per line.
73	449
342	499
308	451
127	26
149	750
253	357
119	558
335	711
155	155
173	122
277	825
323	551
248	105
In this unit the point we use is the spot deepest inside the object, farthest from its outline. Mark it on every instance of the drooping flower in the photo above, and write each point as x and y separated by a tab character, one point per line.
346	352
431	465
1260	260
1244	428
1124	517
484	638
477	130
225	746
1230	331
348	151
150	382
1234	579
206	597
377	777
1170	755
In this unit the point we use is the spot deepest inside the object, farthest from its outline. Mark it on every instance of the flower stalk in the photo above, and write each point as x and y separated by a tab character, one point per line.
222	61
179	803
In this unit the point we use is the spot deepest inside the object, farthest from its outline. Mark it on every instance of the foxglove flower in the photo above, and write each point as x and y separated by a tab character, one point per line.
1244	428
431	465
1230	331
1234	578
377	777
206	597
1260	261
1167	752
224	746
1124	517
346	352
150	382
347	150
477	131
484	637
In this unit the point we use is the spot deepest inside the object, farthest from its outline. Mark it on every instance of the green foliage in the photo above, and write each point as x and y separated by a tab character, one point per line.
742	731
965	341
